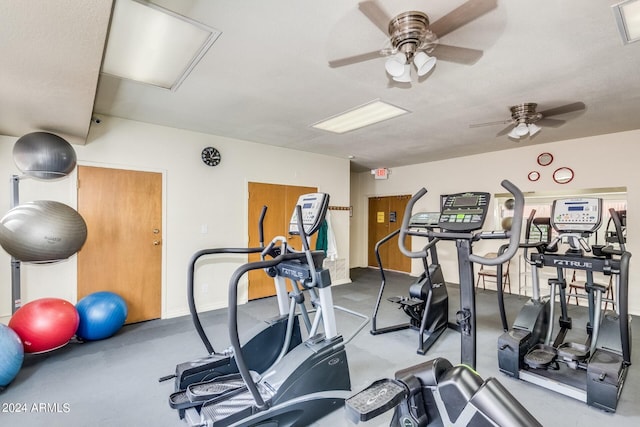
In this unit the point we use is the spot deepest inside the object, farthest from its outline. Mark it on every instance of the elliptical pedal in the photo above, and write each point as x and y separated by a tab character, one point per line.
374	400
201	392
541	356
197	393
408	301
179	400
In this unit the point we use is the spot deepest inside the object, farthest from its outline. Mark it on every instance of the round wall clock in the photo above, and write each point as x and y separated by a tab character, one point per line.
211	156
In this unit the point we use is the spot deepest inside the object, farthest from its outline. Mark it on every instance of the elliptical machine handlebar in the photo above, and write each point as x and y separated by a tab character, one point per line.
404	228
261	225
191	300
306	248
618	226
513	234
234	335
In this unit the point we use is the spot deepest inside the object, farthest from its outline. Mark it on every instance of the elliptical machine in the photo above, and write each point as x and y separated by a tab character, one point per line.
262	344
435	393
592	371
305	383
428	302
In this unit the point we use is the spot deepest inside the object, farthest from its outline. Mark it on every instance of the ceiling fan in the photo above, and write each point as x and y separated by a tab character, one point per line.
525	119
412	39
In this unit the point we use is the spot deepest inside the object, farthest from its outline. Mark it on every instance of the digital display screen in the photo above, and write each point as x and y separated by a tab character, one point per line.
575	208
465	201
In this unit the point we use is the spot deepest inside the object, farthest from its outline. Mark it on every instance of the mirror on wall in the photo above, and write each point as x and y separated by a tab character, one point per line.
545	159
563	175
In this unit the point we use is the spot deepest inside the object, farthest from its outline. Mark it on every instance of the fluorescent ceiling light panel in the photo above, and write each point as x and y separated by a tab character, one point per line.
359	117
627	14
153	45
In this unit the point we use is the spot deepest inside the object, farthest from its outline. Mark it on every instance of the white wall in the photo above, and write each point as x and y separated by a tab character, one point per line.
601	161
195	195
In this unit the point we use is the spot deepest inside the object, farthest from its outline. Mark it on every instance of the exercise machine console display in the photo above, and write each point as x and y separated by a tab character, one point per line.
314	208
577	215
425	220
464	211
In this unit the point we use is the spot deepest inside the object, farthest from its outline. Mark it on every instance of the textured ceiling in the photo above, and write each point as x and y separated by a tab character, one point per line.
267	78
50	59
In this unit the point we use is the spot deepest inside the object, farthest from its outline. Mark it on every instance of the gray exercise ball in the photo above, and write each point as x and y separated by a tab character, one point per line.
44	155
507	223
509	204
42	231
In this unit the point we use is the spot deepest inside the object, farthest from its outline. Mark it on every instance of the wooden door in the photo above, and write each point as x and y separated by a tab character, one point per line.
123	251
385	216
280	201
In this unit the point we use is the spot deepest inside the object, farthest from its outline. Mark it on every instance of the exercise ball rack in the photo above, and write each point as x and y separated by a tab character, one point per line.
53	144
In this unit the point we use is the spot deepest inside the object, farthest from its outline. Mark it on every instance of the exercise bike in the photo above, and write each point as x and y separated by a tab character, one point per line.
435	393
428	302
305	383
593	370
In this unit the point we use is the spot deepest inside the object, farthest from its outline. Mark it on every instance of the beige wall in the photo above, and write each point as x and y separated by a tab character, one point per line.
602	161
194	195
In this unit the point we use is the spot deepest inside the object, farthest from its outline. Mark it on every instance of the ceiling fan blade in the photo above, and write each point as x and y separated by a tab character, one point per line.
505	130
500	122
460	55
354	59
564	109
462	15
550	123
374	12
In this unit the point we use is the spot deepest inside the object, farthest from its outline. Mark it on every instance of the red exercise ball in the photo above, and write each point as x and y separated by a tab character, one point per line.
45	324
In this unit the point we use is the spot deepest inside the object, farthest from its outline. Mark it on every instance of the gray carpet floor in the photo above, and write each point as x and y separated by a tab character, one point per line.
114	382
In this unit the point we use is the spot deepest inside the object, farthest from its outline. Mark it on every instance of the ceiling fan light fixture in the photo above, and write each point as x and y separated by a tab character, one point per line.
406	75
395	64
533	129
513	134
424	63
521	129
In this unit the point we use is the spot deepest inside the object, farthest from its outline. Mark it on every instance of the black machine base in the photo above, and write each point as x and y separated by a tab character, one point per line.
606	374
435	393
596	379
260	349
427	307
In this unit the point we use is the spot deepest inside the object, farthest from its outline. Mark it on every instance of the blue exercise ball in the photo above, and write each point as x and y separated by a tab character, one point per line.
102	314
11	355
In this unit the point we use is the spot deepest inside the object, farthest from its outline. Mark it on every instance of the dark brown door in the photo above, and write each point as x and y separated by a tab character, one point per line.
123	251
385	216
280	201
